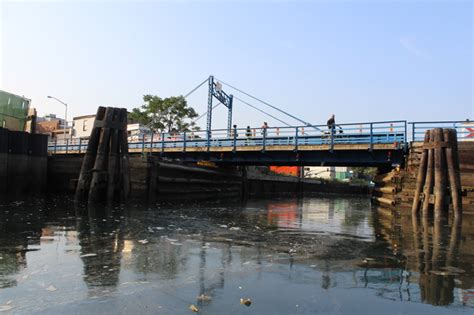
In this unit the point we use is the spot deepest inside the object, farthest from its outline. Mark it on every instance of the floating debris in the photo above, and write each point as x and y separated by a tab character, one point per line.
193	308
51	288
5	308
88	255
234	228
145	241
204	298
245	301
453	269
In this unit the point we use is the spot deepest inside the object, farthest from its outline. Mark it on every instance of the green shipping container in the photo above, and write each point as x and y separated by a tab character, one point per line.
13	111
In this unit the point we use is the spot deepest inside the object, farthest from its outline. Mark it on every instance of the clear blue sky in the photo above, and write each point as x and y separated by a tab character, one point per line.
360	60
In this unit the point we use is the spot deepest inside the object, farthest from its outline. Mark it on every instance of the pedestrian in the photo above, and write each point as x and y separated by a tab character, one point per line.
264	128
248	132
331	122
234	131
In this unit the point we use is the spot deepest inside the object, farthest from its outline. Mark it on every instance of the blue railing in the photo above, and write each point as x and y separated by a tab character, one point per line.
464	129
366	133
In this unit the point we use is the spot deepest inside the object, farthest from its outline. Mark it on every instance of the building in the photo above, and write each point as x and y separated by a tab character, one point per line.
13	111
327	172
82	126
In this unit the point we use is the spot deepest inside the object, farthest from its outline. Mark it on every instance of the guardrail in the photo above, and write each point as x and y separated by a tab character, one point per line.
368	133
464	129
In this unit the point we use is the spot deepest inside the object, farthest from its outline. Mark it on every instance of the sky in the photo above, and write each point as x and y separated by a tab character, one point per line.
360	60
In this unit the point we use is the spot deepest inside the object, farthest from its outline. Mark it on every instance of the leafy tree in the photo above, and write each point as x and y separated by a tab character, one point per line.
364	172
165	115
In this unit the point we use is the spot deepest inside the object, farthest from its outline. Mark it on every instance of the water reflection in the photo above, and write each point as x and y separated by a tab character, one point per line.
101	238
431	255
312	252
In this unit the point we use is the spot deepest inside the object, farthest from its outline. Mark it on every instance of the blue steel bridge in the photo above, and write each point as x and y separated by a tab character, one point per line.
358	144
381	143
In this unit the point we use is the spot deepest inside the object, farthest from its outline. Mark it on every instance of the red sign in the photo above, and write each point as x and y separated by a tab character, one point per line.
471	132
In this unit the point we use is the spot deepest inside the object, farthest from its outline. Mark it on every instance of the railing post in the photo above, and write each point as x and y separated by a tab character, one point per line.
184	141
413	132
405	136
371	145
235	139
151	141
67	145
296	139
143	143
264	138
162	142
55	145
332	138
208	140
80	143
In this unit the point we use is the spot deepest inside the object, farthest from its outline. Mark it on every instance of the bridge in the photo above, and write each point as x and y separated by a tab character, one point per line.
382	143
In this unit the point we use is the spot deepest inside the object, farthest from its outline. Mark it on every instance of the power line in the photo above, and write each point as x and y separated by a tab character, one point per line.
274	107
260	110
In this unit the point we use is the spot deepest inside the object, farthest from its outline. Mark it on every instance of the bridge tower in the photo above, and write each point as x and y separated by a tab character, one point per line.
215	90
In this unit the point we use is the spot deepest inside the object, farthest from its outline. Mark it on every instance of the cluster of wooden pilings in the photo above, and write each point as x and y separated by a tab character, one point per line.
438	178
105	173
385	189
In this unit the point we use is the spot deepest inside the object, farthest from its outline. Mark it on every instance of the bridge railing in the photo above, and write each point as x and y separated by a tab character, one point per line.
464	129
367	133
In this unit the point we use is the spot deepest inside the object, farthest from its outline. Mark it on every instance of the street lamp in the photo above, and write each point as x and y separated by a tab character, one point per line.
65	114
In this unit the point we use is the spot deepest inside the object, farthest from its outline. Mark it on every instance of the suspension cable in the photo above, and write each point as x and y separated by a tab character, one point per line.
262	111
202	115
197	87
274	107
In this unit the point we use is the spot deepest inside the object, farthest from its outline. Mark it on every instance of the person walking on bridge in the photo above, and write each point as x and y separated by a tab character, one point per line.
331	123
264	128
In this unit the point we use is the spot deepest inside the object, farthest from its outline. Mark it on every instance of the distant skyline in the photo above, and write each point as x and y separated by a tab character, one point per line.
359	60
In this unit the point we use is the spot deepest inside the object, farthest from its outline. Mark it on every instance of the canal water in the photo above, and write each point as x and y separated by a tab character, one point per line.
328	255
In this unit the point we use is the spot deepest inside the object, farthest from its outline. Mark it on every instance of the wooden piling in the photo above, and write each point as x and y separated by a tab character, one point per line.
429	176
440	173
385	201
125	163
113	163
454	176
99	172
105	167
420	180
89	158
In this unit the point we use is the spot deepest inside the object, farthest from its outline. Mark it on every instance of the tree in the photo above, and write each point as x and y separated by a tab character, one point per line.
364	172
165	115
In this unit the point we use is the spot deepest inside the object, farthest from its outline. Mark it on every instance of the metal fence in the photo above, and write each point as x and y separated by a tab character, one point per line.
464	129
367	133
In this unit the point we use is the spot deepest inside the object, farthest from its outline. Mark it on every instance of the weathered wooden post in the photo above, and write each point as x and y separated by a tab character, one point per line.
440	173
125	164
105	167
454	175
89	158
99	173
429	177
420	179
438	170
113	162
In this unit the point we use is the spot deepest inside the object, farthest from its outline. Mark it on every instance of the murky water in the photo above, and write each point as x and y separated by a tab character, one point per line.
288	256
